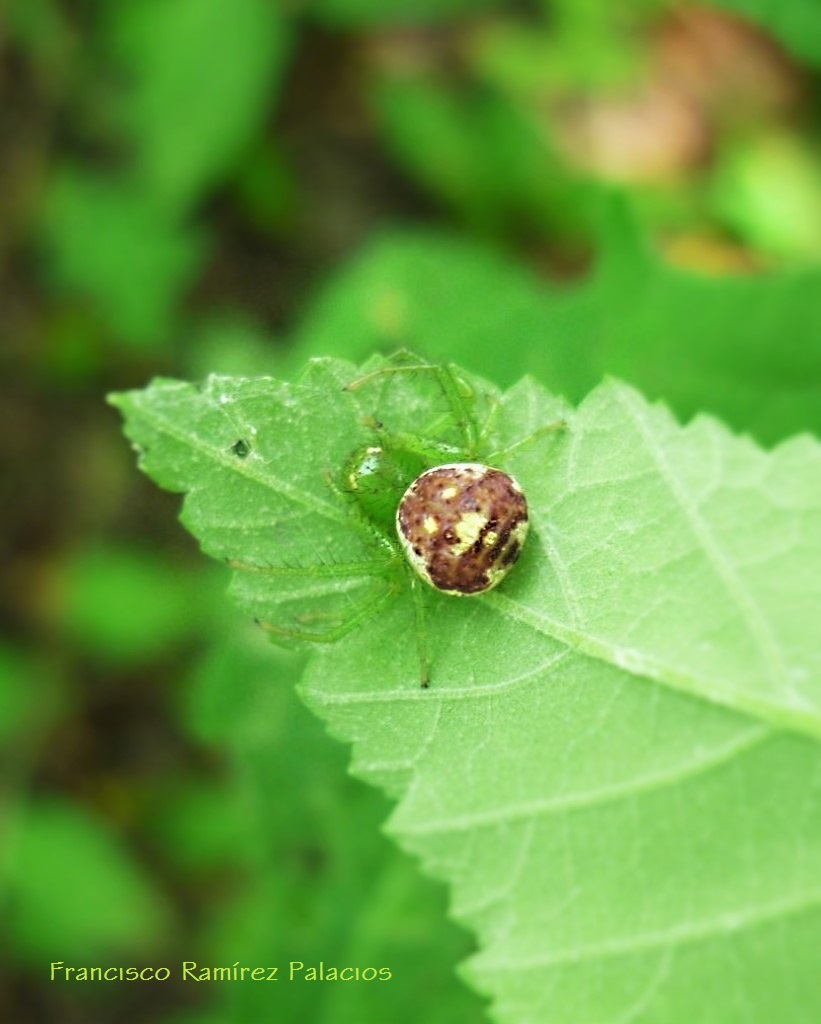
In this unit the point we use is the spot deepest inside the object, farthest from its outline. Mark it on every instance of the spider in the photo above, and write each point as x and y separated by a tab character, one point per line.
438	515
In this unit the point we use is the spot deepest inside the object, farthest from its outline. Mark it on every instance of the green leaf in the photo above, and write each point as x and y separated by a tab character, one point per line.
126	606
616	766
745	348
440	294
73	890
493	166
783	220
23	704
577	45
320	882
202	78
109	243
797	23
366	13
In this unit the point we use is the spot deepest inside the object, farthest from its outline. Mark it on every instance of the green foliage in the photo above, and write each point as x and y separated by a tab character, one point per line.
40	25
201	80
747	348
189	87
240	428
614	770
581	43
784	222
797	23
126	606
752	354
443	295
319	881
493	165
228	345
22	704
111	244
614	766
90	901
364	13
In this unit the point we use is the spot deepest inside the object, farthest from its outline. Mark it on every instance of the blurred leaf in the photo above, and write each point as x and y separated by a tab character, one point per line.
365	13
448	297
41	26
203	76
320	882
797	23
615	766
366	914
769	192
203	826
267	190
748	348
240	694
229	343
30	702
493	165
73	891
125	605
745	347
21	698
111	245
195	1017
577	44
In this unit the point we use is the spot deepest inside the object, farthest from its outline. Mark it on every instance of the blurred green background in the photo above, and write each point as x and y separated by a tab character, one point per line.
563	187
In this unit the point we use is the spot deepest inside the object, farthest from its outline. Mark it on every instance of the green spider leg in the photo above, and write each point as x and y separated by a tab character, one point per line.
421	623
458	393
359	615
332	570
547	428
328	627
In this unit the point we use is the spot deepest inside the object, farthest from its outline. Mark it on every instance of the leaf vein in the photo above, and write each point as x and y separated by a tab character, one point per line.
751	739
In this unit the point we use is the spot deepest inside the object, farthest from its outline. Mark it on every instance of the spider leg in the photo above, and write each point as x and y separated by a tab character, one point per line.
548	428
360	520
457	391
360	613
420	616
340	570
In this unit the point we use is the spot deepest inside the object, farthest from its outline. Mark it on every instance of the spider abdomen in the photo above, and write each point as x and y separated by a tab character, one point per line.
462	526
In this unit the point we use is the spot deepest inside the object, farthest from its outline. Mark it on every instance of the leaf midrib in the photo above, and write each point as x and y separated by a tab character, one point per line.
804	720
